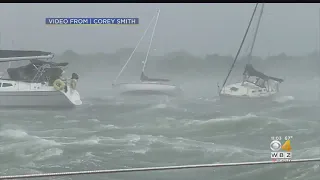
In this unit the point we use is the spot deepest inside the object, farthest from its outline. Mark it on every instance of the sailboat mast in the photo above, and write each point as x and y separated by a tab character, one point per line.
13	47
242	42
153	31
255	34
319	36
134	50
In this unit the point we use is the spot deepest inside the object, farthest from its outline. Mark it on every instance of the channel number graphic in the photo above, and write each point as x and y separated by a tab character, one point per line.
281	152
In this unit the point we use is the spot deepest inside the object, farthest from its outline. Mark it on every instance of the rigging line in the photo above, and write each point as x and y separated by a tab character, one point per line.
242	42
163	168
134	50
255	34
153	31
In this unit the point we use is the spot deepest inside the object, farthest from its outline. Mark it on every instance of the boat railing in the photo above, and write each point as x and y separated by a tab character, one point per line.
40	71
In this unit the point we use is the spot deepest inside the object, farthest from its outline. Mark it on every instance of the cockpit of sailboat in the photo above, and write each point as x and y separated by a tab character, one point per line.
144	78
250	71
261	80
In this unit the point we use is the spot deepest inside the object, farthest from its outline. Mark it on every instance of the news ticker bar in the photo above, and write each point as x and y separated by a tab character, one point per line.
91	21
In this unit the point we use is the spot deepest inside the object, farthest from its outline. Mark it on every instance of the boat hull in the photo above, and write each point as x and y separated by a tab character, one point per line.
42	99
147	89
241	99
23	94
246	92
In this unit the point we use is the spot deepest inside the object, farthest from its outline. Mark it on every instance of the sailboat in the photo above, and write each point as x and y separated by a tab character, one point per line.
146	86
255	84
38	84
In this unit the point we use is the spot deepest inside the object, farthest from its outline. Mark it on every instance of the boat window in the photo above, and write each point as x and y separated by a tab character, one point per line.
234	89
6	85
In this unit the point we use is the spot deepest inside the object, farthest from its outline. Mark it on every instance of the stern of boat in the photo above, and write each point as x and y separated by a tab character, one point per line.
72	95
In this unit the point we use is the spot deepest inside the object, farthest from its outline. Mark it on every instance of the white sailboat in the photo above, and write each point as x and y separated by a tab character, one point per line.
146	86
255	85
38	84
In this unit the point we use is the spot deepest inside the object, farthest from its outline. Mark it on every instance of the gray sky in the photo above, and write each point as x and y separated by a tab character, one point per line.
197	28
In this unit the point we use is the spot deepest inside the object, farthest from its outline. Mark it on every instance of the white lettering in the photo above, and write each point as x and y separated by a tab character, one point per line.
60	21
126	21
51	21
83	21
103	21
72	21
120	21
79	21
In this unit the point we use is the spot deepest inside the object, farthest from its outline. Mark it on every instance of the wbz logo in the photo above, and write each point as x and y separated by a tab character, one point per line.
281	155
276	146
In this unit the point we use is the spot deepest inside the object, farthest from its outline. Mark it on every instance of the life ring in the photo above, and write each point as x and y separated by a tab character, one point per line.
73	83
58	84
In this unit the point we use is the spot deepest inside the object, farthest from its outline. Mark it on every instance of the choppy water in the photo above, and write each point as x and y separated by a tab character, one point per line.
111	132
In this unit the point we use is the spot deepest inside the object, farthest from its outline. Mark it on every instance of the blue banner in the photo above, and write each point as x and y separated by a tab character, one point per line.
93	21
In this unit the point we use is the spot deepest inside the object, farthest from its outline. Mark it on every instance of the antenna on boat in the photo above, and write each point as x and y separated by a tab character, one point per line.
239	50
152	35
134	50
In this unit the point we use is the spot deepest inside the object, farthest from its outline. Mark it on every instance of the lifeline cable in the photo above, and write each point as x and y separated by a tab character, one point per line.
163	168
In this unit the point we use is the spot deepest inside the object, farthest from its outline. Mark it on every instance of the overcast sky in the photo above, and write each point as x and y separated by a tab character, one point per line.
197	28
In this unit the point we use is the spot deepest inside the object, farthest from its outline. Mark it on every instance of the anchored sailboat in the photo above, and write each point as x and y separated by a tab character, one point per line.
262	86
146	86
38	84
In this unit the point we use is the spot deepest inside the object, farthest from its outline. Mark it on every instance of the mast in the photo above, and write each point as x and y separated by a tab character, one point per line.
153	31
255	34
319	36
12	46
242	42
134	50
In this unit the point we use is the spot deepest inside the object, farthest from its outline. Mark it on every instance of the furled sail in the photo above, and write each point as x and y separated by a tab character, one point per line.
250	71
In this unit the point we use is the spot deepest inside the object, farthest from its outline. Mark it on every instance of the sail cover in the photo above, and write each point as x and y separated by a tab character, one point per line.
143	77
250	71
27	73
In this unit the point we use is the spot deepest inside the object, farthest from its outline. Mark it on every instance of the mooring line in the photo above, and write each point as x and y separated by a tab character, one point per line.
163	168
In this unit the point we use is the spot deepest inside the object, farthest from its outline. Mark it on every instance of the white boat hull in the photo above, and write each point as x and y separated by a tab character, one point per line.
23	94
147	88
247	91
